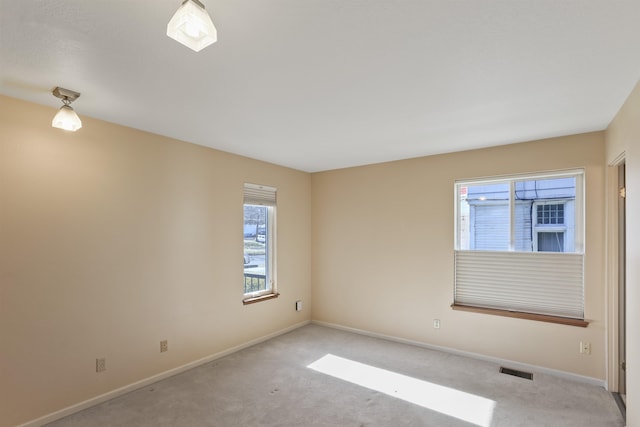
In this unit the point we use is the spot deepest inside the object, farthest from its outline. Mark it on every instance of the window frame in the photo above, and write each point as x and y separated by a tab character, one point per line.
263	196
462	224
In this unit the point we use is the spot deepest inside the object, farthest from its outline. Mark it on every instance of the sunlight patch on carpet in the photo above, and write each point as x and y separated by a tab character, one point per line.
455	403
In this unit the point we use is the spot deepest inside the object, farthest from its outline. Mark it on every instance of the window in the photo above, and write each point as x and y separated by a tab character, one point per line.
551	226
519	244
259	243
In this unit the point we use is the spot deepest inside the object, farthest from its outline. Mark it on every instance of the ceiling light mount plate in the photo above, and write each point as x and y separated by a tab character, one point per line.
65	94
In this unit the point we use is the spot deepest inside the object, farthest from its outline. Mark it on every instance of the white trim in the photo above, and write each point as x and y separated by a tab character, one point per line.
515	365
512	216
580	212
612	292
618	160
69	410
270	255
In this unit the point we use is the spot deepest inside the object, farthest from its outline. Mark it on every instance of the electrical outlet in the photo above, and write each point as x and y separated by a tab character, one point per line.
164	346
436	323
298	305
101	364
585	347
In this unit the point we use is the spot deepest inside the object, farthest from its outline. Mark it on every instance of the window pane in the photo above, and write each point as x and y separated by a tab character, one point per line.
551	242
256	244
484	217
544	203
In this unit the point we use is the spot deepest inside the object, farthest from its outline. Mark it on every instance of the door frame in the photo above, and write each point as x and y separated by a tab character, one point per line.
622	281
613	275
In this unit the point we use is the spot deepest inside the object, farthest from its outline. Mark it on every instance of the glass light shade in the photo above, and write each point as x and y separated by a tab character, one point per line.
192	26
66	119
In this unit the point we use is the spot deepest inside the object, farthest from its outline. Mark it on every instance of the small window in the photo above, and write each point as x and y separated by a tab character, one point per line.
519	244
554	225
548	214
259	242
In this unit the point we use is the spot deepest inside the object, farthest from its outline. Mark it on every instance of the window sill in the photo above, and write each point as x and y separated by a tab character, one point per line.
521	315
260	298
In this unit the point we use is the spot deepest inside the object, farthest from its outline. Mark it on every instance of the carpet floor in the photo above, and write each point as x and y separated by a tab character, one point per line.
319	376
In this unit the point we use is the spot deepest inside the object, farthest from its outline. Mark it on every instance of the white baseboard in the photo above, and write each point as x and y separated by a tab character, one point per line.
150	380
509	363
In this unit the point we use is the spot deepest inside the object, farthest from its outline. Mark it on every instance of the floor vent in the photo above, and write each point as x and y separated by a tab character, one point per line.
515	373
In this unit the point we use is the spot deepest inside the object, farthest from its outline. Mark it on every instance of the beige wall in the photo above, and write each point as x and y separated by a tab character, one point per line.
623	139
111	240
382	253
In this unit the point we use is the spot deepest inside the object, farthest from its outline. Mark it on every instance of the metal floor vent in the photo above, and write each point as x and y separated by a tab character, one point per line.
515	373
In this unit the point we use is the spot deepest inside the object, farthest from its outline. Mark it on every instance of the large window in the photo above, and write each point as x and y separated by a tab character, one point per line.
519	244
259	242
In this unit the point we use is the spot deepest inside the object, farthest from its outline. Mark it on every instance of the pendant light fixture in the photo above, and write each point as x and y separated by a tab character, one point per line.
191	25
66	118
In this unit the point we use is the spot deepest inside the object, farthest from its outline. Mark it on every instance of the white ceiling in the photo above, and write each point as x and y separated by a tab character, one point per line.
325	84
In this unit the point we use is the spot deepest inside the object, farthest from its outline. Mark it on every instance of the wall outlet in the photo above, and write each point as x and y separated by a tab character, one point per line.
101	364
436	323
298	305
164	346
585	347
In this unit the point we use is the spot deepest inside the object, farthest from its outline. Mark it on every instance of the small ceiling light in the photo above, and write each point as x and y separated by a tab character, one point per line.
191	25
66	118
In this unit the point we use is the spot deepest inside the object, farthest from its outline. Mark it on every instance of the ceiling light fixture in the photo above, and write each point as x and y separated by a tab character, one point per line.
66	118
191	25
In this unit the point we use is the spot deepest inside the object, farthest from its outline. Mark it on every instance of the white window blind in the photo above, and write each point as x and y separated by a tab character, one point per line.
255	194
532	282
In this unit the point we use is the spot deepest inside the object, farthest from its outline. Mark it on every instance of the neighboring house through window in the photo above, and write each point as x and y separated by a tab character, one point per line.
519	243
